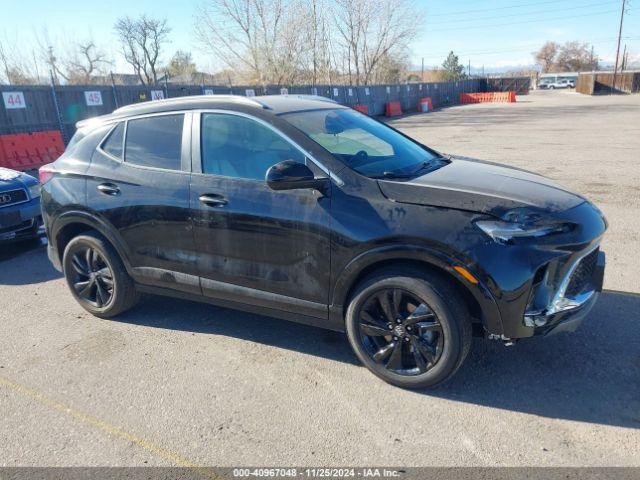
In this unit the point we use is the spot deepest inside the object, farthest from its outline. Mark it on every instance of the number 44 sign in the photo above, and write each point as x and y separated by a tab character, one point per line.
13	100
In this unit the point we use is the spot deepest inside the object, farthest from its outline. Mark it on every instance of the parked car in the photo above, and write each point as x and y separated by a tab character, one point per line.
306	210
557	84
20	216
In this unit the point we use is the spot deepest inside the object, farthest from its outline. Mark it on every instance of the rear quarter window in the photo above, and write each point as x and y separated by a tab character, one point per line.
113	143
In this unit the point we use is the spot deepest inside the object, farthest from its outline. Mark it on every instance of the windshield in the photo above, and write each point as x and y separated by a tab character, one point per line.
363	144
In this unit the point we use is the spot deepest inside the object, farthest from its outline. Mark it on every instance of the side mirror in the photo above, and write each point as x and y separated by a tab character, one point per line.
292	175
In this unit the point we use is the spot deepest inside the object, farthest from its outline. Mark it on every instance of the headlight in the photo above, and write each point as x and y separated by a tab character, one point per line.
505	231
521	223
34	190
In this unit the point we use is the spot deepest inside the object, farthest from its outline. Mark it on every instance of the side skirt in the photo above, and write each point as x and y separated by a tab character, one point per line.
256	309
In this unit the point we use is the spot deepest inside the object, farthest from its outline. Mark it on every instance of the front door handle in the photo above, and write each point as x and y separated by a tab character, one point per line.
108	189
212	200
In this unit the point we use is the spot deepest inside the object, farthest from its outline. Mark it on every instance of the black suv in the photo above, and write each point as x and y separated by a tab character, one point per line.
299	208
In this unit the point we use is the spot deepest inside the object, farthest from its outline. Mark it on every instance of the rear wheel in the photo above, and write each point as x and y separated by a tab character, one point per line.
96	276
410	329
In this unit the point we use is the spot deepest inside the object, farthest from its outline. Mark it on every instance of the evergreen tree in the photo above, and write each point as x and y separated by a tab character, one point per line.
452	68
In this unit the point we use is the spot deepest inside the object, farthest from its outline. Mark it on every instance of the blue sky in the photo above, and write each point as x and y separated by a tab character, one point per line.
500	32
493	33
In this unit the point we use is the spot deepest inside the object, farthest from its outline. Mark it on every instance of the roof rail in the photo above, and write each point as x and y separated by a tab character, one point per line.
318	98
174	100
87	122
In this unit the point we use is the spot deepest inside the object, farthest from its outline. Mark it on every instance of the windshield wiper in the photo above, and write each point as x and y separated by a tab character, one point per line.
413	173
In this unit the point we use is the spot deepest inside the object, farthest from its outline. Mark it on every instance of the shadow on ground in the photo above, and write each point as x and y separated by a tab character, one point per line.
38	270
592	375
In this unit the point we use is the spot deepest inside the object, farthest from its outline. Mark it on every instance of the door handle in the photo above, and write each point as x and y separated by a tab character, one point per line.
212	200
108	189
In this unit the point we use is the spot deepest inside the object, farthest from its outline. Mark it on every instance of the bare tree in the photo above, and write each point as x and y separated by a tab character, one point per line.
570	57
55	64
284	41
14	67
6	65
546	56
371	31
87	61
142	41
50	56
575	57
181	63
263	37
392	69
71	61
317	60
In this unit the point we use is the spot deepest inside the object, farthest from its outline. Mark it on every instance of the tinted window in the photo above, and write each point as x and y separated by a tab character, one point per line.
239	147
367	146
155	141
113	144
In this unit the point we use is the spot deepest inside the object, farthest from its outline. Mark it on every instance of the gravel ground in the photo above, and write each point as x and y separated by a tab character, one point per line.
179	383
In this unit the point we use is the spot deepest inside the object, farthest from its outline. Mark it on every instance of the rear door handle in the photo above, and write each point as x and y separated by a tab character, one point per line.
212	200
108	189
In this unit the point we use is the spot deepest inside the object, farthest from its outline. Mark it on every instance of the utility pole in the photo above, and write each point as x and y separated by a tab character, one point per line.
591	59
626	59
615	70
469	68
422	70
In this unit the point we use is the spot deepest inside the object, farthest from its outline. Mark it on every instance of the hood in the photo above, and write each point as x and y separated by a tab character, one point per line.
13	179
483	187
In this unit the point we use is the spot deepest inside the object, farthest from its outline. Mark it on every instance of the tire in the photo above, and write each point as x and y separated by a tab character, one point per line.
445	348
104	270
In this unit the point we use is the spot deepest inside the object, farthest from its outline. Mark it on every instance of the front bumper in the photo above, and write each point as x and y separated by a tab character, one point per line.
566	313
569	320
21	221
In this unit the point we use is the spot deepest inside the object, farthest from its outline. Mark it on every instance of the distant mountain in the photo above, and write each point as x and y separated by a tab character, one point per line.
478	69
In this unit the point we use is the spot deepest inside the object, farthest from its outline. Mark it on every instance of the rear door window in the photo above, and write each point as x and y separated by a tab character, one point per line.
155	141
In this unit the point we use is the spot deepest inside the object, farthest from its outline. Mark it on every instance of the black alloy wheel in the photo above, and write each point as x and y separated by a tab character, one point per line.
92	279
401	332
97	276
410	327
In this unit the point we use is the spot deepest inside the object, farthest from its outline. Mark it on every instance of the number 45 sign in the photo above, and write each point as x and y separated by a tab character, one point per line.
93	99
13	100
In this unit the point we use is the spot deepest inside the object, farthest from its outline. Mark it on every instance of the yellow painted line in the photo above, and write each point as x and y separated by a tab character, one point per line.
87	419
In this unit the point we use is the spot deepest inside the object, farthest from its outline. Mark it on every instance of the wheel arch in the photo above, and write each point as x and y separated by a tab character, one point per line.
73	223
478	298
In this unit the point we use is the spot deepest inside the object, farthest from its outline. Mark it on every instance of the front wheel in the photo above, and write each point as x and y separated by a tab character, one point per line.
411	329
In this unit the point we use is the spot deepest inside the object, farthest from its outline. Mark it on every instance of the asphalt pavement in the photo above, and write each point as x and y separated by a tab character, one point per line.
179	383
